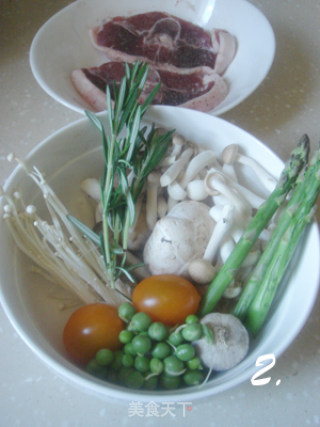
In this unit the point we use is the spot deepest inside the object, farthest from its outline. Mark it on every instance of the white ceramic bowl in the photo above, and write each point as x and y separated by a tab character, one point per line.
74	153
62	43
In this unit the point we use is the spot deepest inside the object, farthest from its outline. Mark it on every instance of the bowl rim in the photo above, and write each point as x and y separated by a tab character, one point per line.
97	387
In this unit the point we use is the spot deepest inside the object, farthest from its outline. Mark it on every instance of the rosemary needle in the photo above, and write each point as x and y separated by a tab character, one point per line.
131	152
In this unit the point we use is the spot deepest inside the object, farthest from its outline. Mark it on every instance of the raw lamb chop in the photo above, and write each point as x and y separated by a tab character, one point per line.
164	40
199	88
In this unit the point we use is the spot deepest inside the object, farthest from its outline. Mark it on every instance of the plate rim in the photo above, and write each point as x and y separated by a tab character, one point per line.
220	109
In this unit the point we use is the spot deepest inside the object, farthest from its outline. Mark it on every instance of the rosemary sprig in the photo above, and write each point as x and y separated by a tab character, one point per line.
130	154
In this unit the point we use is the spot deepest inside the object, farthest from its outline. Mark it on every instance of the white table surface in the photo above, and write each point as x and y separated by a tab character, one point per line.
286	105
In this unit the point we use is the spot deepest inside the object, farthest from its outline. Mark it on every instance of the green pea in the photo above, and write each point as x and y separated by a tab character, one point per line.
123	374
156	366
141	363
158	331
94	368
170	382
128	349
194	377
104	356
151	383
175	338
140	322
117	360
161	350
192	332
185	352
194	363
127	360
125	336
126	311
134	379
192	318
141	344
173	366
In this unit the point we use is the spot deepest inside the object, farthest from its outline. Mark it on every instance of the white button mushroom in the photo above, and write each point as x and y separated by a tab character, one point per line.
170	246
178	238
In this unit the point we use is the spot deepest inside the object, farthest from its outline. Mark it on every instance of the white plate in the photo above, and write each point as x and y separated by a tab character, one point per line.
62	44
74	153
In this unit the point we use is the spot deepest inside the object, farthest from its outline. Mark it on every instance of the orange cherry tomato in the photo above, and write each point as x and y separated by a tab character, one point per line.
167	298
90	328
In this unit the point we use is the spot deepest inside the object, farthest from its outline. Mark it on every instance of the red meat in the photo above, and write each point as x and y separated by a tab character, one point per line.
199	88
165	40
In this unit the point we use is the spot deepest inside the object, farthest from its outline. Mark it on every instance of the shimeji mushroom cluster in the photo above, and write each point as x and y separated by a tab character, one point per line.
193	211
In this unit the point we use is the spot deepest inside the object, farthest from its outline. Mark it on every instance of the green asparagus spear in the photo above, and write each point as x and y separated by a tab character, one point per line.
228	271
286	247
304	182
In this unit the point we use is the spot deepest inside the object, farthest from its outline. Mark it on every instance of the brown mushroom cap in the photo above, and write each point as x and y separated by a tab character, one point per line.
230	153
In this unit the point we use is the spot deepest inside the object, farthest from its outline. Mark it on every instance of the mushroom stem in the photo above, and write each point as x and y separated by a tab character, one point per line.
98	212
138	206
226	248
229	171
152	199
92	188
219	232
219	200
252	198
231	154
251	258
215	212
174	170
177	143
197	164
162	207
176	192
171	203
229	175
232	291
216	183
